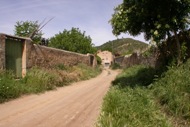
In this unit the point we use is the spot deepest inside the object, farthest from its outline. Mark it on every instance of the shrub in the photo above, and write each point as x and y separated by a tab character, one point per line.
39	80
87	71
138	75
8	86
99	60
149	51
115	66
61	67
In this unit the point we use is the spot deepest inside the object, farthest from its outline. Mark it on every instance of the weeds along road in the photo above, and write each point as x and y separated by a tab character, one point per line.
77	105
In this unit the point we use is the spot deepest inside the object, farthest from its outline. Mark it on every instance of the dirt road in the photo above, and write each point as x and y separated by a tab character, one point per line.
77	105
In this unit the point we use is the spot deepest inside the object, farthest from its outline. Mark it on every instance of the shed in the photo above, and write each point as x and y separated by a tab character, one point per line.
13	54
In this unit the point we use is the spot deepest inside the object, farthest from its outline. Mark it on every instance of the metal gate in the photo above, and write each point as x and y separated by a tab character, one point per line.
13	56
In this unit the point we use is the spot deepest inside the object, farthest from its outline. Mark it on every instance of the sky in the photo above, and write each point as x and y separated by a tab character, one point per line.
91	16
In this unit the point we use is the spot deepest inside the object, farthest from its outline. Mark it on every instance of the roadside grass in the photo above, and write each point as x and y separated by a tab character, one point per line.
131	108
138	99
172	92
137	75
129	103
8	86
87	72
39	80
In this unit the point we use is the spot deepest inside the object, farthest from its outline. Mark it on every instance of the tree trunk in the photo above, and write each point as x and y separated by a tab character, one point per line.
178	48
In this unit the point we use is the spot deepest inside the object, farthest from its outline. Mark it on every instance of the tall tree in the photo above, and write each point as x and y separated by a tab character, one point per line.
27	28
73	40
155	18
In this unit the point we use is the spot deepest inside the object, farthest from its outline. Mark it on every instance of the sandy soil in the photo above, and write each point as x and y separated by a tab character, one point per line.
77	105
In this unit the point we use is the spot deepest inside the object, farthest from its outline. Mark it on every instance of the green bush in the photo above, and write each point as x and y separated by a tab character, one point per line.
39	80
115	66
9	88
149	51
36	81
99	60
138	75
61	67
87	71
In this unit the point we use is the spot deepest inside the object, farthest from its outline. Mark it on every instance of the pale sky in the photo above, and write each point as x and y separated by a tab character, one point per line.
91	16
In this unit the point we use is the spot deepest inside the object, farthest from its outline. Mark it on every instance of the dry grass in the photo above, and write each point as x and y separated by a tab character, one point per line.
39	80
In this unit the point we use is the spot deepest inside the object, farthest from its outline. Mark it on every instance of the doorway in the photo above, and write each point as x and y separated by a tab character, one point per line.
13	56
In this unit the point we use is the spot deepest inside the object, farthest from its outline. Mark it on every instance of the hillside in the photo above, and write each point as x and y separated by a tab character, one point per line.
123	46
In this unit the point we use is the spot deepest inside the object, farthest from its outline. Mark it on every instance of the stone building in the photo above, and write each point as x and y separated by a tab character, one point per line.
106	57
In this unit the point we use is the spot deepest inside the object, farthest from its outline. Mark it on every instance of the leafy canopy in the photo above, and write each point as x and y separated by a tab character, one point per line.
26	29
73	40
154	18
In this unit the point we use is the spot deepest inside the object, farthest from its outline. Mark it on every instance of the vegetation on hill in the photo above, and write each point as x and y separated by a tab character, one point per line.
40	80
138	98
123	46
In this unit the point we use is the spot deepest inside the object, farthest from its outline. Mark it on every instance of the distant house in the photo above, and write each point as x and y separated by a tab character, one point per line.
106	57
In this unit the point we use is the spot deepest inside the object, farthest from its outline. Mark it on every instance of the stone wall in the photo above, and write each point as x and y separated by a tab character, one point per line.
130	60
136	59
43	56
119	59
2	51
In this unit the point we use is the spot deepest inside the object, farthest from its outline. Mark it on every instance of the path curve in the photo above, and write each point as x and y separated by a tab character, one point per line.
77	105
